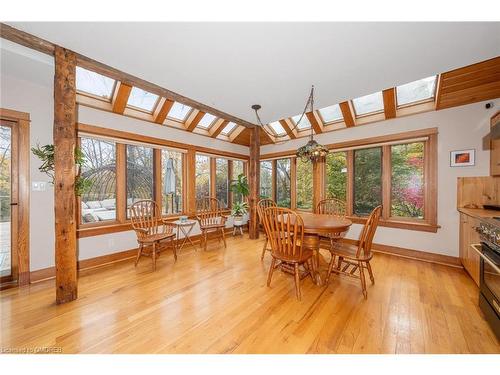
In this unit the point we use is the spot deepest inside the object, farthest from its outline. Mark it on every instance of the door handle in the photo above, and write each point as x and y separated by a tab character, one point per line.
485	258
13	204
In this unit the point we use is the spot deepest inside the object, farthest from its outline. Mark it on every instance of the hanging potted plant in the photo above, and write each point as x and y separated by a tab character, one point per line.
241	189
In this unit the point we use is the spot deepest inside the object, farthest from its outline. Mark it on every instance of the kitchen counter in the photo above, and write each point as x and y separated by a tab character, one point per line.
479	213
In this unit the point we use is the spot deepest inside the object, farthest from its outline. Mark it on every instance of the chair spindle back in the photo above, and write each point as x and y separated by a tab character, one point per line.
368	232
208	211
145	216
331	206
285	230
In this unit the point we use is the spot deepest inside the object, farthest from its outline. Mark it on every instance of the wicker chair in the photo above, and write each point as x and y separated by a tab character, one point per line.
261	206
352	258
211	220
285	230
151	229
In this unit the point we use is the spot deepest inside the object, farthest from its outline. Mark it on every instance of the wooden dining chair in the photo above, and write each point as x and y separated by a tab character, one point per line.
151	229
336	208
285	230
211	220
261	206
352	258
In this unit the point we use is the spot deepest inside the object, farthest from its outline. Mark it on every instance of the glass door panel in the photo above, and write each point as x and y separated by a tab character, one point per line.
5	199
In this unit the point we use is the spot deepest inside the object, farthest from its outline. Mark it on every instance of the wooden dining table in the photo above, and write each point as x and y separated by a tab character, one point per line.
318	225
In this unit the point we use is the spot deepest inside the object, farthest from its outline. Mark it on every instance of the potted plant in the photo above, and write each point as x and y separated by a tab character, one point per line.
239	209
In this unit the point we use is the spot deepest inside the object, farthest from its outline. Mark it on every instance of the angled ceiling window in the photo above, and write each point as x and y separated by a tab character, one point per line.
331	114
228	129
304	123
206	121
417	91
93	83
368	104
143	100
179	111
277	128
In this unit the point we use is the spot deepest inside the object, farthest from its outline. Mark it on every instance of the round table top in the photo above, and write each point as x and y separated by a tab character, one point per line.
185	222
324	224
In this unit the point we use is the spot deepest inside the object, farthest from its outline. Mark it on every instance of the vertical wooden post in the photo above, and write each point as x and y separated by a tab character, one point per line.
190	205
254	182
318	182
64	174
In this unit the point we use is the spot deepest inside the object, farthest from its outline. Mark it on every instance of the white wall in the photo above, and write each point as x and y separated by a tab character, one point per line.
459	128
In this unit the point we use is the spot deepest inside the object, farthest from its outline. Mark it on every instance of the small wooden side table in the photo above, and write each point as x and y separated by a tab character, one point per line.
185	227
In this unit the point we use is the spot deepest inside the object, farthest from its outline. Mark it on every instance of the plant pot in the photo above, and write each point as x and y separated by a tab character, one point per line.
238	220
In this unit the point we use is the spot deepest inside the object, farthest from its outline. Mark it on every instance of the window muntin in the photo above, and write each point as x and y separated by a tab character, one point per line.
368	104
336	175
222	181
331	114
202	170
277	128
266	179
93	83
417	91
238	168
304	184
367	180
206	121
407	180
99	202
179	111
140	174
304	123
171	181
228	128
283	187
143	100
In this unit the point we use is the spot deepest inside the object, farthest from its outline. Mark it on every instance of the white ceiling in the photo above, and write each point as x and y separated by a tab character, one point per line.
231	66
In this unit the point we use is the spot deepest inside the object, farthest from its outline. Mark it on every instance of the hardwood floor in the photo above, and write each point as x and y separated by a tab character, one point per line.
217	302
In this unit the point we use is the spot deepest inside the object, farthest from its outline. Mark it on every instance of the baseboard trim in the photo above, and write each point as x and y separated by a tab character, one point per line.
402	252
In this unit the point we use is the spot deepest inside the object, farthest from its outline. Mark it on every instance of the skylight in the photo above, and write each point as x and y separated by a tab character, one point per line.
277	128
179	111
94	83
416	91
368	104
206	121
142	99
331	114
228	129
304	123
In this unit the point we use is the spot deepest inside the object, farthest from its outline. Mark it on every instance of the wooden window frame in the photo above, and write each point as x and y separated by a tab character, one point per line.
121	222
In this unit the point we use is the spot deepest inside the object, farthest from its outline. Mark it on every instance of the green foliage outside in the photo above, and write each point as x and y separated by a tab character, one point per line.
367	180
336	175
304	184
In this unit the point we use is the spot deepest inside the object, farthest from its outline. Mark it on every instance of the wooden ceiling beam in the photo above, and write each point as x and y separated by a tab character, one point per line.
162	110
236	133
120	97
389	96
292	133
216	128
266	138
44	46
347	113
194	118
315	121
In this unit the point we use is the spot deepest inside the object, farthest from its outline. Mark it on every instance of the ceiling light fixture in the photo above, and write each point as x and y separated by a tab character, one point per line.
312	150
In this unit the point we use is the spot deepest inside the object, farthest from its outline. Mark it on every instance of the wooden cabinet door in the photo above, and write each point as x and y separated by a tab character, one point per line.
472	256
495	150
463	239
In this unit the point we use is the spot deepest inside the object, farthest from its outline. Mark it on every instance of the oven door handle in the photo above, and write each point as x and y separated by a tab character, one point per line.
486	259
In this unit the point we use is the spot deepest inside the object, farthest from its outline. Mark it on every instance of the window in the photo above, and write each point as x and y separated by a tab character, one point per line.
304	123
367	180
228	129
331	114
336	175
179	111
143	100
277	128
368	104
99	202
222	181
206	121
238	168
304	184
202	171
93	83
283	190
171	179
266	179
140	175
416	91
407	180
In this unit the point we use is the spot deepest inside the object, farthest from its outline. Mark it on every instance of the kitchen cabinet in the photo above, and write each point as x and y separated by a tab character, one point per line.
495	149
469	236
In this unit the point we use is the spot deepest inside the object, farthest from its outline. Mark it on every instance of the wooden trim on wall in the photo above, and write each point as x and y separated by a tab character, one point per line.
389	96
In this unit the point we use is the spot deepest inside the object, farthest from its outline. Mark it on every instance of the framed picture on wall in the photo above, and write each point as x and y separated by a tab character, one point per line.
463	158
